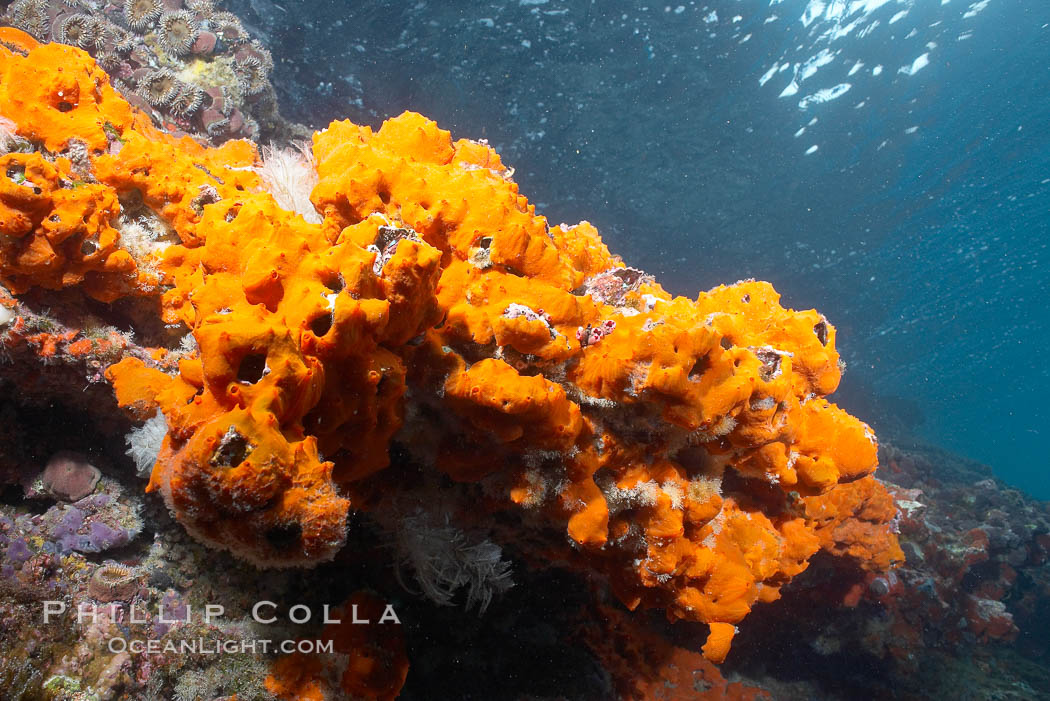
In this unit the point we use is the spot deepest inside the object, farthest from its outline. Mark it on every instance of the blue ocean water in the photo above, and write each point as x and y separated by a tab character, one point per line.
885	161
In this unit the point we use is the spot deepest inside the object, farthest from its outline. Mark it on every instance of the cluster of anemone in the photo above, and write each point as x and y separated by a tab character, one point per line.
194	68
162	89
29	15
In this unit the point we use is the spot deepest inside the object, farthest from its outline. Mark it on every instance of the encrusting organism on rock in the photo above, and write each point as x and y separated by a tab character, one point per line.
683	449
69	476
186	65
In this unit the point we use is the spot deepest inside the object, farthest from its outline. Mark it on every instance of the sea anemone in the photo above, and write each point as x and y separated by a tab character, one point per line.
126	43
113	582
140	14
159	87
178	31
202	8
78	30
228	27
30	16
217	127
187	100
109	60
251	75
107	35
116	39
263	54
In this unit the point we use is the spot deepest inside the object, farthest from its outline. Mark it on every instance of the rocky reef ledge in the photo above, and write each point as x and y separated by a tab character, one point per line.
366	381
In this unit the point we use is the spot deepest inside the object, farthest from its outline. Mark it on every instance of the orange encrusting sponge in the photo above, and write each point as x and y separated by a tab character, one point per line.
685	447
